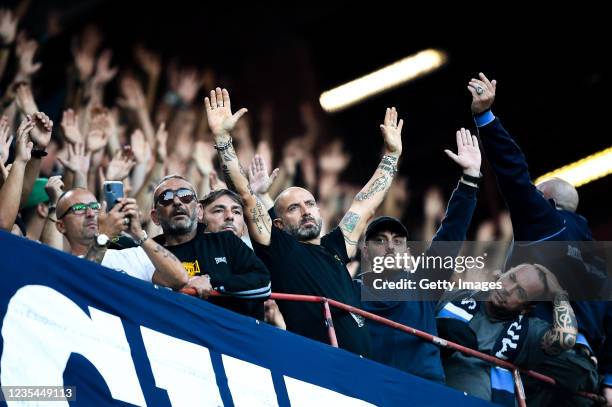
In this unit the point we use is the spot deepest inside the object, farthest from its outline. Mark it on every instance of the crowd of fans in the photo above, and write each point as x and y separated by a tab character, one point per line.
204	208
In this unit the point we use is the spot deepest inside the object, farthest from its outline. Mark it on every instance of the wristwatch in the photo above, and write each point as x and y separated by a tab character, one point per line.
142	239
102	240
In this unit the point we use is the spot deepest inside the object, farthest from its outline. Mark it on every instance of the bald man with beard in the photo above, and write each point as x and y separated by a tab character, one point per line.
300	260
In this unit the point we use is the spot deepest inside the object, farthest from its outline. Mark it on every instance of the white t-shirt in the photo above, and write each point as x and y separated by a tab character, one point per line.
133	261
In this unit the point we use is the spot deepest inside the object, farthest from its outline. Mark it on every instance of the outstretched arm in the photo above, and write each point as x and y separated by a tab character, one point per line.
533	217
221	122
11	190
463	201
373	193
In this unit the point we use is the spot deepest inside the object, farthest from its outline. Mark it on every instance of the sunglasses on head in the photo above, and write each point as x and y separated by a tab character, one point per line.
185	195
81	208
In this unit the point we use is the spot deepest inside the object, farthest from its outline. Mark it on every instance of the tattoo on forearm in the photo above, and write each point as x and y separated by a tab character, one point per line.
258	218
164	252
228	154
563	333
228	177
380	184
349	221
349	241
388	164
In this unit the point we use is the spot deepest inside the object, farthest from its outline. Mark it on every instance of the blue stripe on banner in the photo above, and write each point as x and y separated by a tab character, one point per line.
124	341
608	379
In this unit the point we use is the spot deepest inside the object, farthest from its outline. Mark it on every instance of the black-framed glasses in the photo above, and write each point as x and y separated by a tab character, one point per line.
81	208
185	195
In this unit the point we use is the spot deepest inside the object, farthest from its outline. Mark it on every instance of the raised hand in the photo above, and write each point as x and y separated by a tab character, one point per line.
5	139
483	93
104	73
221	121
133	95
189	84
112	223
148	61
392	132
259	180
120	166
161	137
70	127
8	26
84	62
78	160
23	145
468	153
41	133
54	188
215	183
100	129
25	99
203	155
131	210
25	51
140	147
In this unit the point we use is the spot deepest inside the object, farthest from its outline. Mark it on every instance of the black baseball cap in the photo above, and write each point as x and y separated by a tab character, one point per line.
386	223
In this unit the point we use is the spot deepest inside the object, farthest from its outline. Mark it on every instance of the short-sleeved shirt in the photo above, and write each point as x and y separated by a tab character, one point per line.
309	269
133	261
472	375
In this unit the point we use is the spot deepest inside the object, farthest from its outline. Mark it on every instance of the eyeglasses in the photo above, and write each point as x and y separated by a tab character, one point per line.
185	195
81	208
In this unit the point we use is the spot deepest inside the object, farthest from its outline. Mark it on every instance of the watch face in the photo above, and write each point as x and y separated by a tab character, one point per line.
102	240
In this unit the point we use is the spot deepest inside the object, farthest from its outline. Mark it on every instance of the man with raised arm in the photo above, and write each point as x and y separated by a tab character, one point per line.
300	260
541	214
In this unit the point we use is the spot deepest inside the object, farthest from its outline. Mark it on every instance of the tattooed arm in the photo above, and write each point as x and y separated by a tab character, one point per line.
373	193
562	335
221	122
169	271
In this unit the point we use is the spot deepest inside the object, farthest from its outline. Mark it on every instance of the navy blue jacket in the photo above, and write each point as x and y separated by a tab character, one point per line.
399	349
535	220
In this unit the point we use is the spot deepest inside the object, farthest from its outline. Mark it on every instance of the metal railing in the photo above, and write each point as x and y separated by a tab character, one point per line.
327	302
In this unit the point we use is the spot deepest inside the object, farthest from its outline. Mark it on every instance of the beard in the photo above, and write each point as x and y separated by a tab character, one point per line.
179	227
303	233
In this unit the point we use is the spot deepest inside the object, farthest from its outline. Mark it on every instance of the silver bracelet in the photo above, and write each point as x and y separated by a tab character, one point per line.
224	146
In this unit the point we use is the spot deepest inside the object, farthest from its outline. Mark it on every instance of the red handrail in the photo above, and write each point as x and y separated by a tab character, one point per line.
326	302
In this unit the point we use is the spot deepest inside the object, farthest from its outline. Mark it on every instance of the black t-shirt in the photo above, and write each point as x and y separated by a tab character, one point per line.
233	268
303	268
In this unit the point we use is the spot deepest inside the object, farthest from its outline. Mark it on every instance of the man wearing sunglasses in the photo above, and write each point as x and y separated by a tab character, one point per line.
88	229
214	261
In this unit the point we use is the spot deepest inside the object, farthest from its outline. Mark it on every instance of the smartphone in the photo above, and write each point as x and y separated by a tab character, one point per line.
113	190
